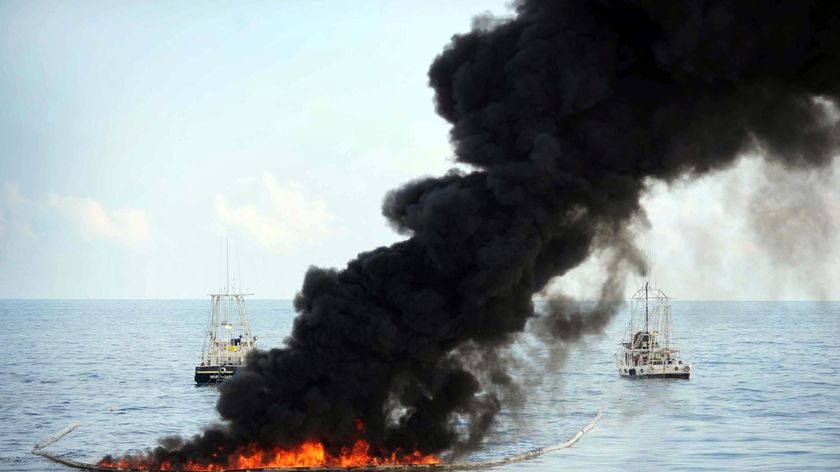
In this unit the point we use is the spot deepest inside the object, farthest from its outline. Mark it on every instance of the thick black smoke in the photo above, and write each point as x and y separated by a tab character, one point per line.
561	114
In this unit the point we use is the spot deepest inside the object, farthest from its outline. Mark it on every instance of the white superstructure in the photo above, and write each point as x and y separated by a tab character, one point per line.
229	337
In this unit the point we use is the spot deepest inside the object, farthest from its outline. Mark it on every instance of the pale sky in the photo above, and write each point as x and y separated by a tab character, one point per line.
135	135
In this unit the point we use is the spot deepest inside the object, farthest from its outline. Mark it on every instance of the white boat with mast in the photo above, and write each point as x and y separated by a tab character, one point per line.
646	351
229	338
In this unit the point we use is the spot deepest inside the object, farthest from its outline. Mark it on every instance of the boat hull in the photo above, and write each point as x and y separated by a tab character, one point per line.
676	375
213	374
682	371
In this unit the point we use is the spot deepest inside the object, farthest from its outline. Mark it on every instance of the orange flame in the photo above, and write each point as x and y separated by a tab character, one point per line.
308	454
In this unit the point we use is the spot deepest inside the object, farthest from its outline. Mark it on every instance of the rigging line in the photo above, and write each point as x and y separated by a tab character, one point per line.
649	259
238	264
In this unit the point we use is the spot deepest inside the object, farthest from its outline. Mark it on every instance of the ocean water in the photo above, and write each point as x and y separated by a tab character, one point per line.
764	392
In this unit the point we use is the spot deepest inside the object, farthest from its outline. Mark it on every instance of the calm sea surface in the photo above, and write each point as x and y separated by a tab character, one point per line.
764	392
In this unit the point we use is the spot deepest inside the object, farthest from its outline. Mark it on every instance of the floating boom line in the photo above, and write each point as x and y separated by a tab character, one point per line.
36	449
525	456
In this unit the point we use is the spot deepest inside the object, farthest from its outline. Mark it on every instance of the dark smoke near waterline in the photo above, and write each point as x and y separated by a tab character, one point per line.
562	114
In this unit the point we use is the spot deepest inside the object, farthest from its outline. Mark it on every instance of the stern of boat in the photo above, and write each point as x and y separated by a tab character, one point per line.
213	374
665	371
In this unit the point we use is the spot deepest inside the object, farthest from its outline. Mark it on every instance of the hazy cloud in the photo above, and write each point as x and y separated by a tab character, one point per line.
11	191
16	210
126	226
292	218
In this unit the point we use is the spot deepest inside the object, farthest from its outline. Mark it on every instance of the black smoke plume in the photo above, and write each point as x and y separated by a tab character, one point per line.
560	115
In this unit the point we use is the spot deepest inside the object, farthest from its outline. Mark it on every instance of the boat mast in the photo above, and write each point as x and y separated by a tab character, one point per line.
647	284
226	321
227	265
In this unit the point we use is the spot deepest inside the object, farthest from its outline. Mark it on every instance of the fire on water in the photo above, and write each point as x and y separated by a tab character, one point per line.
308	454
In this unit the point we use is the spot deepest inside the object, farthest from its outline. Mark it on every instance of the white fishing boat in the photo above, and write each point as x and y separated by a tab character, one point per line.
646	350
228	339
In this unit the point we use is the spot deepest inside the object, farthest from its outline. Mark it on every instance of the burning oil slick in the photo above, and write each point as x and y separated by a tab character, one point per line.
562	114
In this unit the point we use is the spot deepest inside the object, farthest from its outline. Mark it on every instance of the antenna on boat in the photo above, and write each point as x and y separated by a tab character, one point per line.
238	266
227	264
219	263
647	284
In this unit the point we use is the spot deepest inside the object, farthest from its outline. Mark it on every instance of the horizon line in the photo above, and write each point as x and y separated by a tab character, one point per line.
292	299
